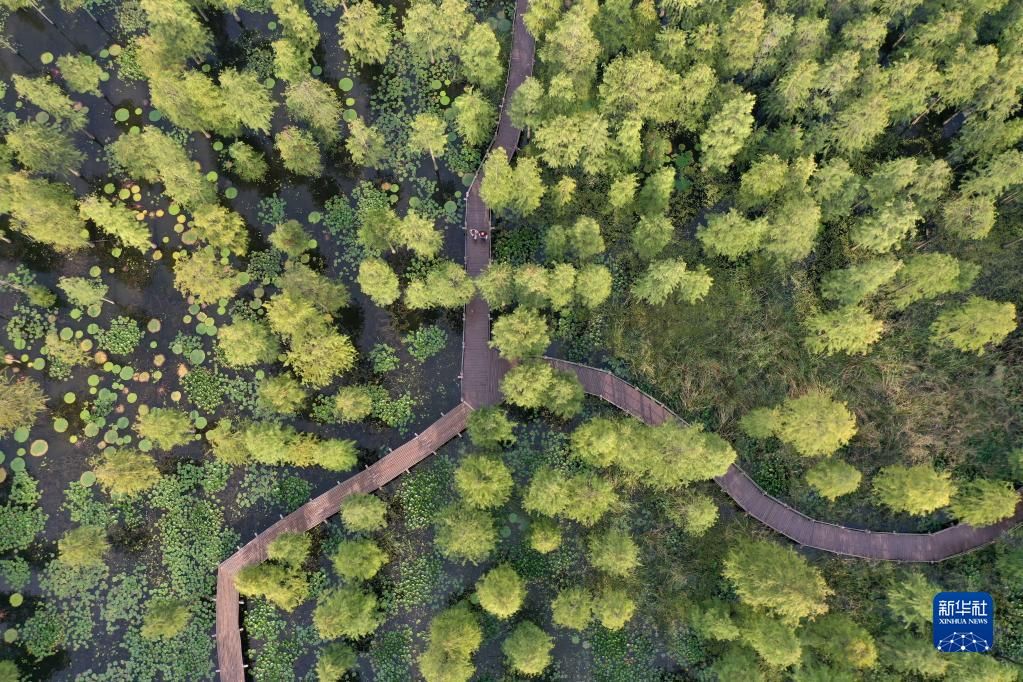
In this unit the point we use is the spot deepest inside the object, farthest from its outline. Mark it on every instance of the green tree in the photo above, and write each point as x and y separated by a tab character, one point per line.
166	427
125	473
419	234
202	275
774	640
284	586
969	217
318	356
972	326
573	608
348	611
299	152
580	241
290	238
908	654
365	33
116	220
841	641
334	660
378	281
465	534
917	489
926	276
336	454
81	73
613	607
48	96
429	134
740	38
84	292
363	513
699	515
501	591
366	145
544	535
83	547
43	211
281	394
358	559
514	192
668	277
165	618
483	481
638	85
853	284
489	427
814	424
883	230
221	228
726	132
593	285
520	333
534	384
769	577
528	649
614	552
247	163
473	117
850	329
436	30
446	285
44	148
247	102
245	343
833	478
156	157
910	600
983	502
315	103
480	56
455	634
732	235
652	234
290	549
353	403
21	401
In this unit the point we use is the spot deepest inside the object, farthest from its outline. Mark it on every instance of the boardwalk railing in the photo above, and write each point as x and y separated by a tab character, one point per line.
780	517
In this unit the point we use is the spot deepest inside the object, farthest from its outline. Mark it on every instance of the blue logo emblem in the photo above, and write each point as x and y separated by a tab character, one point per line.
964	621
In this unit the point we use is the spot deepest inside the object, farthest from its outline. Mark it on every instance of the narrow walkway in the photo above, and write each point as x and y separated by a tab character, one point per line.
482	369
778	516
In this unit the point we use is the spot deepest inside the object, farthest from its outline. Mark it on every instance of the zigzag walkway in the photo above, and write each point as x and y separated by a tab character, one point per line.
482	369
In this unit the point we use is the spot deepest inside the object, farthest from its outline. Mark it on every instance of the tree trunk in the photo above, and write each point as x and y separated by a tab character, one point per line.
42	13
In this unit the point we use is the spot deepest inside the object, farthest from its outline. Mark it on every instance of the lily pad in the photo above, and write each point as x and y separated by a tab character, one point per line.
21	434
87	478
17	464
346	84
16	599
122	115
38	448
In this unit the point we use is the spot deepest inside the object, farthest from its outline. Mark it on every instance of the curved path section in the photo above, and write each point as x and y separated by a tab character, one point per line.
482	369
780	517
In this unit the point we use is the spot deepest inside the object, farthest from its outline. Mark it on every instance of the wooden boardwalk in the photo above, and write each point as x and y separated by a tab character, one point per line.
780	517
482	369
482	366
